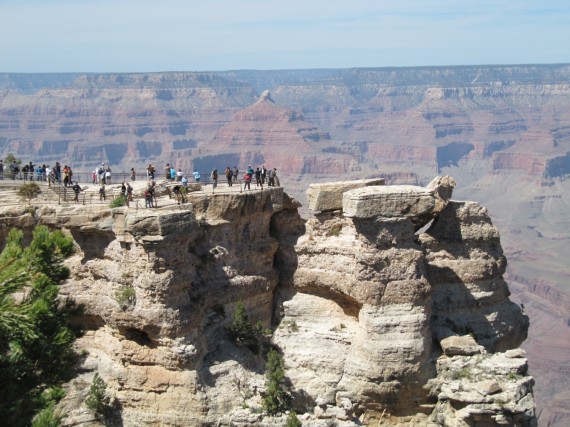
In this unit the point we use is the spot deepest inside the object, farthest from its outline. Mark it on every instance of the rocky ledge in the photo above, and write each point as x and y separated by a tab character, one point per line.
388	306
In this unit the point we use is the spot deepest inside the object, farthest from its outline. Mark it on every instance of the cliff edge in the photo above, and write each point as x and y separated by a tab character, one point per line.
388	306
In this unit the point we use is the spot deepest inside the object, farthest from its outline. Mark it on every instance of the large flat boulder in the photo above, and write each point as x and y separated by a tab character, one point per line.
420	204
328	196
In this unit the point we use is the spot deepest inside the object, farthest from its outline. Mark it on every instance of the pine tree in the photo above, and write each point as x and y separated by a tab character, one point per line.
276	398
35	338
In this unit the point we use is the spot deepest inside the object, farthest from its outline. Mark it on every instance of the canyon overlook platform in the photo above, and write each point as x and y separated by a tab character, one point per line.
388	305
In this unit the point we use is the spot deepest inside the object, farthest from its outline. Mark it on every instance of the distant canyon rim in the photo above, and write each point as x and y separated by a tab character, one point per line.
503	133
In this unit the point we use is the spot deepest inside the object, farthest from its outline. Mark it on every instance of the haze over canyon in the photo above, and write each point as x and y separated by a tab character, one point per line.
502	132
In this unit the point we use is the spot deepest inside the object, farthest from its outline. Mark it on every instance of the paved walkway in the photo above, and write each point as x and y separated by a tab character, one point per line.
90	192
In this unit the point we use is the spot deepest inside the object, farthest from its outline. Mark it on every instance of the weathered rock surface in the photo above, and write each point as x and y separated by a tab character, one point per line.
419	204
482	390
328	196
356	303
465	263
455	345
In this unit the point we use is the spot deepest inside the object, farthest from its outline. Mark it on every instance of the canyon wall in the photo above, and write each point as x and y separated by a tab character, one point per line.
389	305
503	132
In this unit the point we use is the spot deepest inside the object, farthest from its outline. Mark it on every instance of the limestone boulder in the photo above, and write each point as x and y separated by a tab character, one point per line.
419	204
464	345
329	196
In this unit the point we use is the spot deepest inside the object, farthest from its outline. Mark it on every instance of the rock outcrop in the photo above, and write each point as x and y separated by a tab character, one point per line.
375	322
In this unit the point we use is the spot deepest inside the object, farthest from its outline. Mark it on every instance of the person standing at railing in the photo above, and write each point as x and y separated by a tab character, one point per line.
25	172
167	172
214	176
258	181
150	172
228	172
1	169
65	176
108	175
247	181
57	171
196	175
133	174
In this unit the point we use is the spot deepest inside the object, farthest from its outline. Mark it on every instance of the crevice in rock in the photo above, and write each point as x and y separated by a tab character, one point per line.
138	336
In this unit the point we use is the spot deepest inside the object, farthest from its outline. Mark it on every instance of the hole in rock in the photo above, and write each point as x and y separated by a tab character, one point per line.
140	337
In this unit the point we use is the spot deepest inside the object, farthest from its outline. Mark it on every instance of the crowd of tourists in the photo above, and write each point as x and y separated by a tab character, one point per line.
261	174
29	171
102	176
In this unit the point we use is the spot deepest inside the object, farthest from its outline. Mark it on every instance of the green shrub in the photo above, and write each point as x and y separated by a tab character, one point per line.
334	230
292	420
48	417
125	296
118	202
29	191
242	331
36	338
277	398
97	400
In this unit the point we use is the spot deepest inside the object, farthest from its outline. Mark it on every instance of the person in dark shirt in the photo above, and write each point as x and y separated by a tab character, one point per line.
76	190
258	180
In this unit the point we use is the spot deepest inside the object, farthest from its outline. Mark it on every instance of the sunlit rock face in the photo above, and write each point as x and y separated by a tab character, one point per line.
362	296
375	320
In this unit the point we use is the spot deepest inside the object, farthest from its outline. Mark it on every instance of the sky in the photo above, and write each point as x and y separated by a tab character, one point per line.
39	36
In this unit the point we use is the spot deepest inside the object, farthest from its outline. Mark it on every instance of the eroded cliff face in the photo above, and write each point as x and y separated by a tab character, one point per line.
376	321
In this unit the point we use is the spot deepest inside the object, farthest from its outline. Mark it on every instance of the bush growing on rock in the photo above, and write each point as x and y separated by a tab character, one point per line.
118	202
243	332
97	400
29	191
292	420
36	353
277	399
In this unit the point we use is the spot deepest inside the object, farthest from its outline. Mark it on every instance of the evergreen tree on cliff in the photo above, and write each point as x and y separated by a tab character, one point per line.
35	338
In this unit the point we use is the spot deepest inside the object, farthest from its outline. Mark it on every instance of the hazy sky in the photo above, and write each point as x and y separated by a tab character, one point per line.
189	35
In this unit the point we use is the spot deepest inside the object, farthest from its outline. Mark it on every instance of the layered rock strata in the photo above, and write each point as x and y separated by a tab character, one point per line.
362	308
